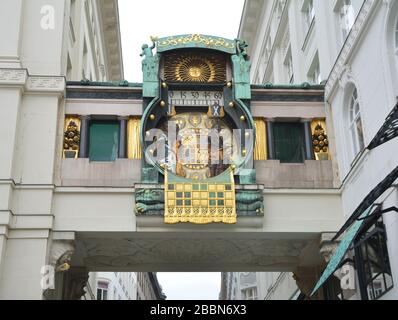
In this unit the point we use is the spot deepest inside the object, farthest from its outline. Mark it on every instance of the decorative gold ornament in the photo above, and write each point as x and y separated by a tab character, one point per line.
71	138
204	68
200	202
164	85
320	139
231	104
152	117
196	38
244	152
242	118
229	84
162	103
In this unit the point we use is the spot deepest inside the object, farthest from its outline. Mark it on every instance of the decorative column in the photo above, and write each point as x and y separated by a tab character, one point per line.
60	261
123	137
327	249
309	154
270	139
75	281
84	127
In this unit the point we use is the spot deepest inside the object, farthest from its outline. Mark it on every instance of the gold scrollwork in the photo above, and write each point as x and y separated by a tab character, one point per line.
196	38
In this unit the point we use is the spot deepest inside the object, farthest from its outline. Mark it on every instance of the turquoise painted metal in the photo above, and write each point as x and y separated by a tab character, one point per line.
341	251
241	66
150	71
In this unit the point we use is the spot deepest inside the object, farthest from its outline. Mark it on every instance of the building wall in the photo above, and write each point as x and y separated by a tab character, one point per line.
120	285
148	287
33	67
368	56
365	57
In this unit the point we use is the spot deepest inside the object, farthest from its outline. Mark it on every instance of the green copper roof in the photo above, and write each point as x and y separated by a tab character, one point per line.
196	41
121	83
127	84
304	85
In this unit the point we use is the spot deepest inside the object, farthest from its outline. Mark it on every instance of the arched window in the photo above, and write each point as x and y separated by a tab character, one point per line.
396	37
355	124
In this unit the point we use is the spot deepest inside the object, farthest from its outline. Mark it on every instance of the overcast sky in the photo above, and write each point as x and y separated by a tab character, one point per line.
141	19
144	18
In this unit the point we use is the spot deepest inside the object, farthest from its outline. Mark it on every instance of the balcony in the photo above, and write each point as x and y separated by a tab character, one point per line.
83	173
308	175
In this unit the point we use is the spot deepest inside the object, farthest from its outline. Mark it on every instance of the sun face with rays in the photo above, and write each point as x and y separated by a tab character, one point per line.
195	68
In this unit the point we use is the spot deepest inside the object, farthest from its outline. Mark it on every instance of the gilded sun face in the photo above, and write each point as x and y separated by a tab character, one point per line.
195	72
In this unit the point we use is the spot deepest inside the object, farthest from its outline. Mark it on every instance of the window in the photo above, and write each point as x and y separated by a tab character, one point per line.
372	261
314	74
103	140
102	291
396	38
289	142
85	60
356	124
309	13
289	66
347	17
249	294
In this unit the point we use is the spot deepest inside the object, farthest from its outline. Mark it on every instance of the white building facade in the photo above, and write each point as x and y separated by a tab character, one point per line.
351	45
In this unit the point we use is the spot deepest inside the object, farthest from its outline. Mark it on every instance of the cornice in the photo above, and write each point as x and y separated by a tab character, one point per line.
21	78
13	77
47	84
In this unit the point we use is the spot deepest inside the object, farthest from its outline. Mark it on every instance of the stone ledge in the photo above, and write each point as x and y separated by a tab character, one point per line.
308	175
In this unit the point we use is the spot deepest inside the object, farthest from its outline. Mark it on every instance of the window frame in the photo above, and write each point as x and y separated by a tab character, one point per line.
345	28
357	136
102	290
373	228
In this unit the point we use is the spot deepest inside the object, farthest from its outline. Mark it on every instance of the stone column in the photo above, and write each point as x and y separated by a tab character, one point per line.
327	249
270	139
306	279
309	154
84	127
61	253
123	137
11	33
75	280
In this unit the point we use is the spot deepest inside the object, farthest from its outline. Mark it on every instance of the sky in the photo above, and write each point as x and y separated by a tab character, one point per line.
190	286
141	19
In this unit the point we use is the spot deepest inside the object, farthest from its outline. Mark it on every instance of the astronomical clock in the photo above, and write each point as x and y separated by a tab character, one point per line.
196	131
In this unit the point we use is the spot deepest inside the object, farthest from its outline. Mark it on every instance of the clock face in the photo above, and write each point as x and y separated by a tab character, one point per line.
196	98
195	155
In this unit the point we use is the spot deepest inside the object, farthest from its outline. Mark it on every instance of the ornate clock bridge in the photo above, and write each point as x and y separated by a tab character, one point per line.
193	170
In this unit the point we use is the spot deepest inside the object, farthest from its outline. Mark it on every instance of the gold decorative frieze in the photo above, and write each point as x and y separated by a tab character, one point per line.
71	137
198	39
134	150
260	146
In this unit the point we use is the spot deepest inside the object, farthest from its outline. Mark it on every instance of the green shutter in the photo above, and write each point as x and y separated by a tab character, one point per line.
289	142
104	141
